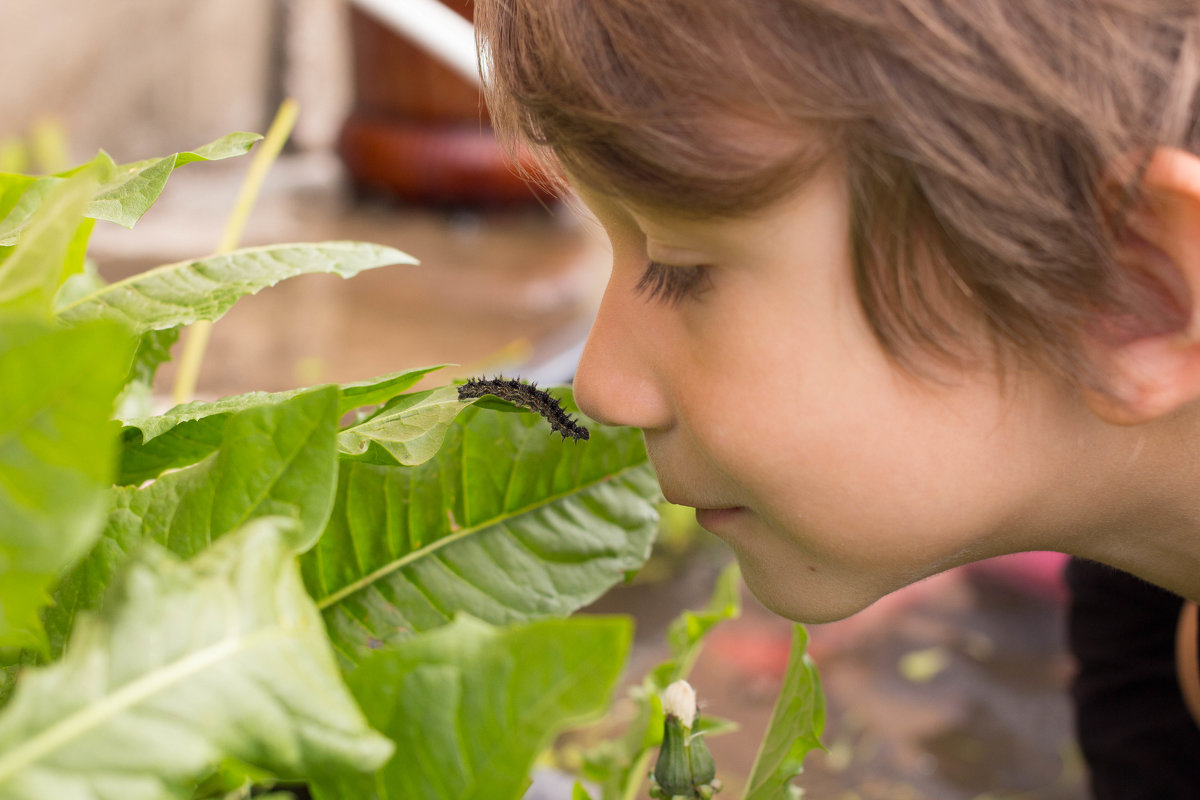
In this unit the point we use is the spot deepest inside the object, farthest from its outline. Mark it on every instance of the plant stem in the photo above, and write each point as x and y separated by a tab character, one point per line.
197	337
637	774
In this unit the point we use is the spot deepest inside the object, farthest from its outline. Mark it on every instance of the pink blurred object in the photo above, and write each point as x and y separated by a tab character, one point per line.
1036	573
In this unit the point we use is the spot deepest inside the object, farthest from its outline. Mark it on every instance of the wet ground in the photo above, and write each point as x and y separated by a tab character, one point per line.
951	689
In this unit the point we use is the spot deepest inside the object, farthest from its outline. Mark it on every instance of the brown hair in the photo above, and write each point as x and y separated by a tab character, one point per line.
978	136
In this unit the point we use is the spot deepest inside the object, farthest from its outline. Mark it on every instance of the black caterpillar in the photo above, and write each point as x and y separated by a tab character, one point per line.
526	395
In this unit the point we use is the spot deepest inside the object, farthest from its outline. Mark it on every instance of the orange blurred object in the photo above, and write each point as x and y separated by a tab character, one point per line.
418	130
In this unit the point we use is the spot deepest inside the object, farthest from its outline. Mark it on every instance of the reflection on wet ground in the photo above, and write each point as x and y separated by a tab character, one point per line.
950	689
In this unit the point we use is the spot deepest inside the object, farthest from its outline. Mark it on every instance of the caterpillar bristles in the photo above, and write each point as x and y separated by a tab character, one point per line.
526	395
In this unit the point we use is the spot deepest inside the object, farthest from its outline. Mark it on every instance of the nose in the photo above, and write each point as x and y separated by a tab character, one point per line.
620	379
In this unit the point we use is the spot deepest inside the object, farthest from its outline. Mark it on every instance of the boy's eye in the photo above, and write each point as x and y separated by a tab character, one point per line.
670	285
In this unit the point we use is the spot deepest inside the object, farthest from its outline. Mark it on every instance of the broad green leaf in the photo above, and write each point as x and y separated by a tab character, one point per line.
408	431
188	663
56	458
124	195
36	267
794	730
579	793
470	706
507	522
180	294
189	432
277	460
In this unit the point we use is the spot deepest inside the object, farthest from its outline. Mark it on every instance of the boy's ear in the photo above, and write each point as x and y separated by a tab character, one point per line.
1150	364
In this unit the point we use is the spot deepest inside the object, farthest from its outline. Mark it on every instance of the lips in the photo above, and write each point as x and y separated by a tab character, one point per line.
712	519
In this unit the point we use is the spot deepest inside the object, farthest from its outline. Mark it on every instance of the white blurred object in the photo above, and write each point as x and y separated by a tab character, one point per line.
430	25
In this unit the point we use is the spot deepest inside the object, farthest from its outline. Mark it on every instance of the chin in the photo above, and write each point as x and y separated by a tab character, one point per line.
806	601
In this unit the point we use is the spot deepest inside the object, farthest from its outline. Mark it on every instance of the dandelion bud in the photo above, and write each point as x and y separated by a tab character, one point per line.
700	759
672	775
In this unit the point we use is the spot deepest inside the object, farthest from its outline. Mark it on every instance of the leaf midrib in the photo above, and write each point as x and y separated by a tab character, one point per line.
94	714
393	566
133	280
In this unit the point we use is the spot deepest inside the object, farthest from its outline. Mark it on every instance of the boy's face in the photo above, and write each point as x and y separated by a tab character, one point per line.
768	405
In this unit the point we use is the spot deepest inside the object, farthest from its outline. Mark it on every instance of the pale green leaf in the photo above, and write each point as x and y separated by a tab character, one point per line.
56	458
507	522
277	460
137	398
180	294
189	432
32	273
135	187
408	431
124	195
794	730
188	663
470	706
379	390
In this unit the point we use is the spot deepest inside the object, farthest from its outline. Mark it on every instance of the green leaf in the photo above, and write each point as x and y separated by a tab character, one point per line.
579	793
379	390
56	458
180	294
137	398
189	432
277	460
50	250
407	431
506	522
795	728
188	663
470	706
126	192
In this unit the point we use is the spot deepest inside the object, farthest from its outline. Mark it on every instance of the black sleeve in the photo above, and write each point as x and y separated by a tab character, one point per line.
1136	734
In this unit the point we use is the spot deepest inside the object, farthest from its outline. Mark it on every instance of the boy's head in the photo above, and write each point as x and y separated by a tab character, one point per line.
827	216
979	139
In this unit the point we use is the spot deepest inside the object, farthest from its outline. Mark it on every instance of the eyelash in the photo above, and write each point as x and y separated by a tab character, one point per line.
671	285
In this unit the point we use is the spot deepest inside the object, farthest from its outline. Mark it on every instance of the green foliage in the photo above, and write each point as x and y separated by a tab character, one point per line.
124	193
56	450
179	294
794	730
189	662
193	604
620	765
50	249
476	529
486	706
191	431
183	654
279	460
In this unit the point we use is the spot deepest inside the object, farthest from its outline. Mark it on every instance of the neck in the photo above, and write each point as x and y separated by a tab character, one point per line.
1148	523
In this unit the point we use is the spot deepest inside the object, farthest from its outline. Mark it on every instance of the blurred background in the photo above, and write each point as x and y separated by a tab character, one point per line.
953	688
